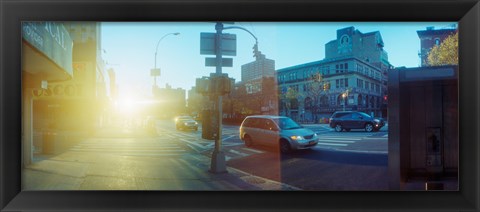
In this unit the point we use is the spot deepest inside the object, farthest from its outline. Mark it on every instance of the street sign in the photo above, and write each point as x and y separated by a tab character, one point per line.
207	44
154	72
212	62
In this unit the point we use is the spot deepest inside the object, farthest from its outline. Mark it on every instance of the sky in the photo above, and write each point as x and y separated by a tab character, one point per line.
129	48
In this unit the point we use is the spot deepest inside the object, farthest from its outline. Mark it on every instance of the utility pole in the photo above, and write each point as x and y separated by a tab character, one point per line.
218	164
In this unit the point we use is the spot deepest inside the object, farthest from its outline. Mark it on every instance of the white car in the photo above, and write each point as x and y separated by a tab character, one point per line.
277	131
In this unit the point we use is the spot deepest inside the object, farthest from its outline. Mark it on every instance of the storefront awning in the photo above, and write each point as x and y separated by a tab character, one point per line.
47	50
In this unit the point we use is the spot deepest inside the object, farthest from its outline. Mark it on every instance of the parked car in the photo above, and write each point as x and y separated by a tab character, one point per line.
276	131
347	120
185	122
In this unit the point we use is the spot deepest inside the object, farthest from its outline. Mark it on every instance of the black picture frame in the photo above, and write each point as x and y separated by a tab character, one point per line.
466	12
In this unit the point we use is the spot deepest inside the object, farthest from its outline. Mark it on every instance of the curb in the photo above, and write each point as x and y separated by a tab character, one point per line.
263	183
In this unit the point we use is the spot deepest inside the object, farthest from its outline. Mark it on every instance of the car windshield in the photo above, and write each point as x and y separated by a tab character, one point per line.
365	115
287	124
184	117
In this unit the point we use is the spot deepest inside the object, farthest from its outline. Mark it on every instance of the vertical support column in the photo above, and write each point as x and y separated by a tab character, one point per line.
394	169
27	127
218	157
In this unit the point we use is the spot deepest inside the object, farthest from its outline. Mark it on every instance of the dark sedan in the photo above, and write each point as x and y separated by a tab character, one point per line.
347	120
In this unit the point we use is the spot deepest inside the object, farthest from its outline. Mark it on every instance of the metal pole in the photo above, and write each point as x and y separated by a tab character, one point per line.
218	164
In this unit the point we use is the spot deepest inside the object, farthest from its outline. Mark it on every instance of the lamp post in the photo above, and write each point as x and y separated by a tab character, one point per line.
156	72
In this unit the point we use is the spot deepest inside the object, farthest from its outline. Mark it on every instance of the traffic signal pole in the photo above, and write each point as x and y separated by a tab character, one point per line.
218	164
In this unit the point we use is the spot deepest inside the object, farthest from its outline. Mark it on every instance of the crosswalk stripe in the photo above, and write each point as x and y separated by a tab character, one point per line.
340	138
238	153
150	154
336	141
127	150
330	144
253	150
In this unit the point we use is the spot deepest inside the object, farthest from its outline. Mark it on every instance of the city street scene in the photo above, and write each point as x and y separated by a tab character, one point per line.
240	106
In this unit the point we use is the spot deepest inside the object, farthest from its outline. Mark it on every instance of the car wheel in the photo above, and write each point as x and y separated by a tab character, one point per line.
285	146
369	127
248	141
338	128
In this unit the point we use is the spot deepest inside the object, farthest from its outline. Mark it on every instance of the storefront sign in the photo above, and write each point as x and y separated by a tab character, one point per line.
52	39
60	90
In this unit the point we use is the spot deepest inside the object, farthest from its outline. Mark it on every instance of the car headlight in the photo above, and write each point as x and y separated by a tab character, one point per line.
297	137
185	124
196	123
376	120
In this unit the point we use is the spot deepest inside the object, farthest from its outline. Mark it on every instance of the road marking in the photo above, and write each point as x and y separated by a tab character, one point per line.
253	150
146	155
330	144
341	138
228	137
238	153
336	141
193	143
125	150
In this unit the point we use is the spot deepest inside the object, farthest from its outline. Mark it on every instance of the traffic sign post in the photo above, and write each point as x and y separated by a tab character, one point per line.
219	44
218	164
212	62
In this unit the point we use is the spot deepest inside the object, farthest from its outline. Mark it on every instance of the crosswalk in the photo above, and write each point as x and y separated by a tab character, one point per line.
154	147
341	139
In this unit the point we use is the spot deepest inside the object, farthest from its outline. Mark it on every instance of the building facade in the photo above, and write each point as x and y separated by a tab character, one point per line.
261	67
47	50
172	101
353	77
429	38
68	106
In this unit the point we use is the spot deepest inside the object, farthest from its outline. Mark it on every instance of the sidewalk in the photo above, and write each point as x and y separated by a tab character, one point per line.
92	171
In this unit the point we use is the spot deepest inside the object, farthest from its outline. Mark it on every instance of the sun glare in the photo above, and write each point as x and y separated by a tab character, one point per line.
126	105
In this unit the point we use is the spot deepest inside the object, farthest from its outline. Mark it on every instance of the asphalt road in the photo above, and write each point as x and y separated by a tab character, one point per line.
354	160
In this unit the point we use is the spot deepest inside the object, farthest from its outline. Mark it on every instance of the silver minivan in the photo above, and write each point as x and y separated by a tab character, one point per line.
277	131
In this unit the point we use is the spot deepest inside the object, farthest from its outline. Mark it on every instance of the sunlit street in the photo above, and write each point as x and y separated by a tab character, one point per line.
341	106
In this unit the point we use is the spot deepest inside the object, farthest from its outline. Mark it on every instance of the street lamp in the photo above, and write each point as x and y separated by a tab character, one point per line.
156	72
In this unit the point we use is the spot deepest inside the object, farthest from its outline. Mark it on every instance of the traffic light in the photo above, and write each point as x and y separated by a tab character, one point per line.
202	85
255	50
385	97
209	124
220	85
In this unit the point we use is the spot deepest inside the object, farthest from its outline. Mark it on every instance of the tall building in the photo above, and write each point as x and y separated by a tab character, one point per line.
353	75
261	67
252	86
431	37
172	101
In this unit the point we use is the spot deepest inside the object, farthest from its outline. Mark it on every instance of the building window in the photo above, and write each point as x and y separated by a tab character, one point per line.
346	67
372	87
337	83
346	82
437	41
336	69
367	85
361	84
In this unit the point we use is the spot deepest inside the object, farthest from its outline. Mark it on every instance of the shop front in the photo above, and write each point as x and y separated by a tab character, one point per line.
46	59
